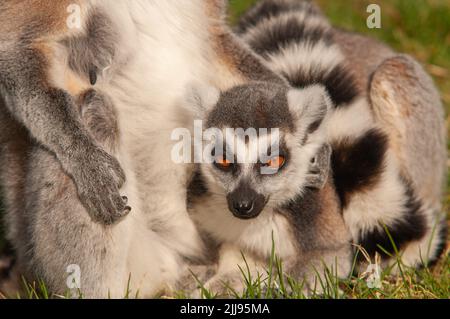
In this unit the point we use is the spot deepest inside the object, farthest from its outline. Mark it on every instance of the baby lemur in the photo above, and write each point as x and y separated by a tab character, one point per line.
383	119
280	197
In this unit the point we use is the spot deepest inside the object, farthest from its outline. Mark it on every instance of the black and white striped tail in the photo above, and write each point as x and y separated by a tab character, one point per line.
296	41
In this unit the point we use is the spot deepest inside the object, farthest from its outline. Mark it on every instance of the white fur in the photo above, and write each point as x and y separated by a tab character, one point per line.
350	121
168	53
306	58
255	237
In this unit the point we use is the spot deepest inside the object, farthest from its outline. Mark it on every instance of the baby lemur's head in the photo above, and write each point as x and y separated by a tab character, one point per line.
260	143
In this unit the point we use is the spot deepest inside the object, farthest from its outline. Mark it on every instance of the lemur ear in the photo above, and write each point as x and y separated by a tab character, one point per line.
201	99
309	106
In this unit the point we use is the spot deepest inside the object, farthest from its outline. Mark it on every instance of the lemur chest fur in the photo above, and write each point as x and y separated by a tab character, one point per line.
137	50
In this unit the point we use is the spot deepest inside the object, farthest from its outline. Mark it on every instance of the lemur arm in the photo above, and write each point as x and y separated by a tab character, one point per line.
50	116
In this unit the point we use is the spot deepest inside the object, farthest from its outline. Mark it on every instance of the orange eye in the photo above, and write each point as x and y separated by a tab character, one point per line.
276	162
223	162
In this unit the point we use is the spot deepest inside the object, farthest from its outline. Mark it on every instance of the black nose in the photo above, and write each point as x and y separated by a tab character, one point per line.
244	208
245	203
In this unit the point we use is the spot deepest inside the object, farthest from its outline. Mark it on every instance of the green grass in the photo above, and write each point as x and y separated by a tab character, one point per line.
274	283
412	283
420	28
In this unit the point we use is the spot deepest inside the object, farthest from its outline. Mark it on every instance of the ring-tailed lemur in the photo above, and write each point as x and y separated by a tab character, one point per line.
386	131
58	181
279	195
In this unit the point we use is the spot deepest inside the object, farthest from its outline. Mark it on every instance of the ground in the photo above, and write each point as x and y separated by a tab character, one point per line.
421	29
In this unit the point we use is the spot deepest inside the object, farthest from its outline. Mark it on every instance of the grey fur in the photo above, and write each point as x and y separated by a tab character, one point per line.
34	168
50	201
52	167
61	166
52	196
419	103
256	105
93	51
246	61
407	104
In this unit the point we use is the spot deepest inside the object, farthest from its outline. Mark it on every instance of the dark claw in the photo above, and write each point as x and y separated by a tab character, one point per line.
125	199
127	210
93	76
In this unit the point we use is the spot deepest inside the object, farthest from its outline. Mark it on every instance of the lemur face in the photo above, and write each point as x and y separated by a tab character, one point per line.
266	140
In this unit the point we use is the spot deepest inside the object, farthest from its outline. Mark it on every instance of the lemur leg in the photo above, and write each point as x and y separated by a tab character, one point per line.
111	258
407	105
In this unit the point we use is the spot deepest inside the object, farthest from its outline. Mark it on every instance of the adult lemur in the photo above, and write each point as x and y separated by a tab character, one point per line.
388	159
61	187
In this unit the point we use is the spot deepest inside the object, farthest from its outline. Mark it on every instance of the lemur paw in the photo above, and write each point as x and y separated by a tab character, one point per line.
319	168
97	174
98	177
